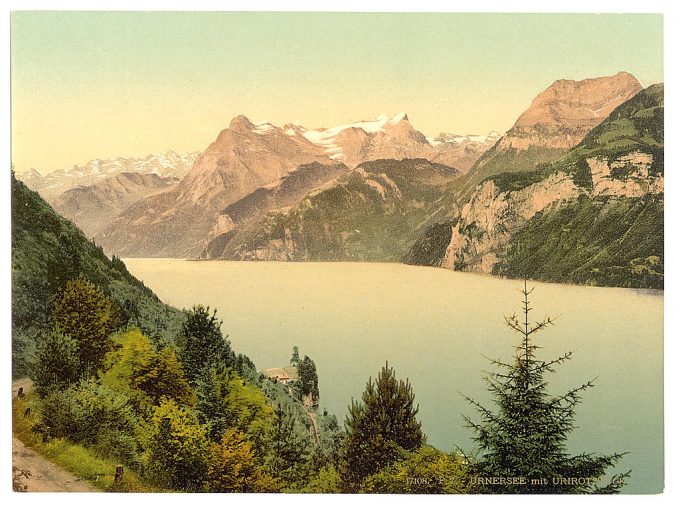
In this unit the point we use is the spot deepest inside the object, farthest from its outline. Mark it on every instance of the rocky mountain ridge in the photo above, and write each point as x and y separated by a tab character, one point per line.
615	172
91	207
52	184
247	157
558	119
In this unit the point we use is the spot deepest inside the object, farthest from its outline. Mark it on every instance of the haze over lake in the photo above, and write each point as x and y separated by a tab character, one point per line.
435	326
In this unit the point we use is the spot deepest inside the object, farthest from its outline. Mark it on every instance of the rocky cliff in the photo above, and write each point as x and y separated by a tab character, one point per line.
557	120
616	172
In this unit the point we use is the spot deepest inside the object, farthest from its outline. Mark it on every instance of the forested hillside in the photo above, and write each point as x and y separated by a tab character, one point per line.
47	251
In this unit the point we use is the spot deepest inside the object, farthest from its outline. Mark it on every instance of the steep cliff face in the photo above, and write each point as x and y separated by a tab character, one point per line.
489	219
494	215
612	183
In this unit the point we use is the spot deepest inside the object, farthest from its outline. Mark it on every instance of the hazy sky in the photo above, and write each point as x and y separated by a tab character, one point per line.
106	84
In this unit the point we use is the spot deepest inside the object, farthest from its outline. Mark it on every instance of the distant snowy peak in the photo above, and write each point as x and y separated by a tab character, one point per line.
327	138
490	138
169	164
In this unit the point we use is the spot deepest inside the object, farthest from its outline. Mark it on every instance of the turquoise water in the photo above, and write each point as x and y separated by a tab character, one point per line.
435	326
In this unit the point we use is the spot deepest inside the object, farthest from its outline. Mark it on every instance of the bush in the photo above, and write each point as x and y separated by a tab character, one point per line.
234	467
177	453
57	365
425	471
94	415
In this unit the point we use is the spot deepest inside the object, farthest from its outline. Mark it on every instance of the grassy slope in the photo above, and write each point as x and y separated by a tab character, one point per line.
494	162
47	250
77	459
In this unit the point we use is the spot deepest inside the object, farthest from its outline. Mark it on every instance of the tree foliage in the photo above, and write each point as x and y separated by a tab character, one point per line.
309	380
234	467
295	357
83	312
526	437
202	344
177	452
225	400
381	428
58	363
290	449
162	376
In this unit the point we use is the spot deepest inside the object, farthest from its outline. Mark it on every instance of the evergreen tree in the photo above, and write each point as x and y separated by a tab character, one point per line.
213	406
290	449
225	400
202	344
526	437
58	363
83	312
309	380
380	428
295	357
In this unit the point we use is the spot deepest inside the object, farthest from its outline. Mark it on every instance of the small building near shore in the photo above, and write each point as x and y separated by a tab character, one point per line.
284	375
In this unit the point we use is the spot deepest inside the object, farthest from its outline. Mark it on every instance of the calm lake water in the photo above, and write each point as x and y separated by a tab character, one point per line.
435	326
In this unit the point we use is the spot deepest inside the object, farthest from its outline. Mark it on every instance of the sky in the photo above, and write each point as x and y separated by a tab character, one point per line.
89	85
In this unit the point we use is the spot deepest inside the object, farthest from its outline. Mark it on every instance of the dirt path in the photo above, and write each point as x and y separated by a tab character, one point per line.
34	473
25	383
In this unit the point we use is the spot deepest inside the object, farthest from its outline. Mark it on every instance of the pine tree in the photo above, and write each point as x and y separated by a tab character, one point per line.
295	357
202	344
525	438
309	380
290	449
381	428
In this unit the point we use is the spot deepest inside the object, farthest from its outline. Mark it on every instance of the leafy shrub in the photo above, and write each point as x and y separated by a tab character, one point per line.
426	470
95	415
234	467
58	363
177	452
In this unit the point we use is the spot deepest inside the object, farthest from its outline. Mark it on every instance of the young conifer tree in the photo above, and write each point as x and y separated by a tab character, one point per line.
381	428
523	444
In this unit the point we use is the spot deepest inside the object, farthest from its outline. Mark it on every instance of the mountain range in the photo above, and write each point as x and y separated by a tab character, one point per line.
52	184
247	157
583	155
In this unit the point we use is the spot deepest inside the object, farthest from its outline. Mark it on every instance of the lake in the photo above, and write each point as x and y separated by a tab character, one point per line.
435	327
